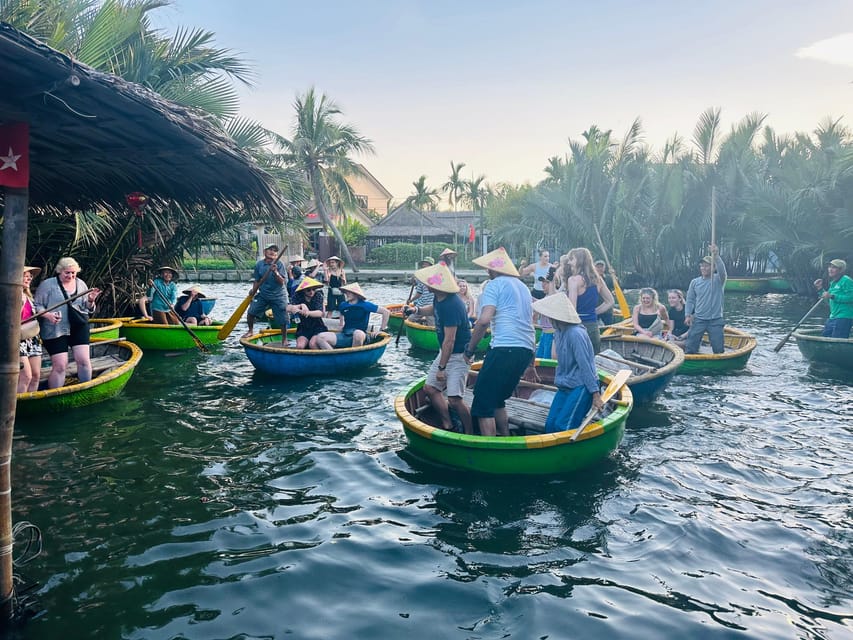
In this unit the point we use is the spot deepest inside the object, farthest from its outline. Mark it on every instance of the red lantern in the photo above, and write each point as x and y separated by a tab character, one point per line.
137	201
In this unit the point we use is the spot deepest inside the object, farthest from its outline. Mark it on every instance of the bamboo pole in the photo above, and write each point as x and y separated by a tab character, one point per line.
11	268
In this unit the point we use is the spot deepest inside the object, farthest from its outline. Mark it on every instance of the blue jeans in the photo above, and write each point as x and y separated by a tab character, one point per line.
568	409
697	330
837	328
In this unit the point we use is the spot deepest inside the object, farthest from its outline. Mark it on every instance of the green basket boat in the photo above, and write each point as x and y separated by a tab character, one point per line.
168	337
747	285
520	454
112	366
816	348
395	320
422	336
104	328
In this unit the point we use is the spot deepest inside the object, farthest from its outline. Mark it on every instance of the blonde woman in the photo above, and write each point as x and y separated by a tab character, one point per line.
30	349
677	326
588	292
650	318
468	299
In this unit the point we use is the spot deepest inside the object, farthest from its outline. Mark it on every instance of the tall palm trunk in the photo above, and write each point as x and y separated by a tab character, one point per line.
313	178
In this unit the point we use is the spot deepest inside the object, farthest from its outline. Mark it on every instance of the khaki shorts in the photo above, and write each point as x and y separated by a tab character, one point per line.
456	373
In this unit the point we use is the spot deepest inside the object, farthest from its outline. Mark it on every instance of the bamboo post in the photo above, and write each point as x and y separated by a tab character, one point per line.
11	266
713	230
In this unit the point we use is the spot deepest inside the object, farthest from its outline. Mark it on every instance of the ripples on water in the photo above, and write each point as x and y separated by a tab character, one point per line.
214	502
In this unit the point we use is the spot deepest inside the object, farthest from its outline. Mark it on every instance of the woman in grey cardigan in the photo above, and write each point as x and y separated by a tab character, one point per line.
57	333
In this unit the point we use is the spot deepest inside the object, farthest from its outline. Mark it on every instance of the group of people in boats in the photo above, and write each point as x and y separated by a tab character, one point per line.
288	291
167	307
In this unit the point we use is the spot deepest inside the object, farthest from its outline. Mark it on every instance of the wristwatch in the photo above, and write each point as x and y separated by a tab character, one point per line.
440	368
468	353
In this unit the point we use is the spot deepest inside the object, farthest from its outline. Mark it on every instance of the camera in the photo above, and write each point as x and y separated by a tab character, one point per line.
551	273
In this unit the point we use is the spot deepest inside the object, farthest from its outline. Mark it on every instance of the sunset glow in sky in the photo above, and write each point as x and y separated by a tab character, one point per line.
502	86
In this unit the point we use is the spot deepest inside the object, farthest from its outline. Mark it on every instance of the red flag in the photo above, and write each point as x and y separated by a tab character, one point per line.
471	233
15	155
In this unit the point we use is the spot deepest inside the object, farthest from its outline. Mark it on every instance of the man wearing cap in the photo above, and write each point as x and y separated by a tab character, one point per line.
270	278
423	297
576	377
189	307
704	308
505	306
840	296
449	371
164	285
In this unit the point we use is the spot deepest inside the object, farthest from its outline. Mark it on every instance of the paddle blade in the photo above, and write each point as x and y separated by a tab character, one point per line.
616	383
229	325
620	298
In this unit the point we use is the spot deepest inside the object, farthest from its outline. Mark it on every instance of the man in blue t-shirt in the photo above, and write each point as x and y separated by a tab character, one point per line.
270	277
448	373
506	305
355	316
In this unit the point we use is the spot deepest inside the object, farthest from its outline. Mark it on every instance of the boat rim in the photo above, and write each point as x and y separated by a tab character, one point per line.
248	343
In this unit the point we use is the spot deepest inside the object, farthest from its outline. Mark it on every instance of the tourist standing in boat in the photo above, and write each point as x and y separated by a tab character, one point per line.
307	308
601	267
576	377
839	292
68	325
704	309
677	326
587	291
423	296
540	271
505	304
270	276
650	318
336	277
448	373
448	259
30	348
355	316
190	308
165	284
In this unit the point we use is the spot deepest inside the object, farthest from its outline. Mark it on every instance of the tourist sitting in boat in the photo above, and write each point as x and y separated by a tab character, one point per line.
840	295
587	291
650	318
545	348
576	377
270	277
306	309
190	309
448	373
505	305
164	284
294	274
30	347
67	326
448	259
422	296
336	278
703	311
355	316
677	327
468	299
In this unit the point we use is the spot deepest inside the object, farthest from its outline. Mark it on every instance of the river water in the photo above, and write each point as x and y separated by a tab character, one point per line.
208	501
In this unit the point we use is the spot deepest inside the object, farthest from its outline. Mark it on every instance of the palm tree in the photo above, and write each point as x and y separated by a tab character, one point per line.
476	194
422	198
453	188
320	146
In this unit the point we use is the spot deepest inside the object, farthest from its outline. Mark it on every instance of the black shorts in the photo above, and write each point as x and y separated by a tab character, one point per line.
79	335
501	371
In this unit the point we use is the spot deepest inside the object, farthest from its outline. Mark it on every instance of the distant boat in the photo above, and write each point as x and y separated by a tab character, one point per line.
816	348
423	336
395	320
112	366
266	353
168	337
747	285
528	451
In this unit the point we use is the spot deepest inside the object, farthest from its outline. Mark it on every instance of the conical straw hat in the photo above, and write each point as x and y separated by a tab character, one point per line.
309	283
557	307
497	260
438	277
354	288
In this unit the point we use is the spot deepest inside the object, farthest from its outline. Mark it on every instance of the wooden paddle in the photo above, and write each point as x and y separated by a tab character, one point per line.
229	325
403	324
195	338
782	342
616	383
620	297
57	305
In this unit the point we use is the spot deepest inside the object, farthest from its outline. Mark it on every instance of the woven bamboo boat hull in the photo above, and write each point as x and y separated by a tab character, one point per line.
834	351
266	355
395	320
168	337
543	454
104	328
645	385
118	358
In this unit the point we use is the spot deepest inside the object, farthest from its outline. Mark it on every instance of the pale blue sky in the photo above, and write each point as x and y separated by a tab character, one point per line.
502	86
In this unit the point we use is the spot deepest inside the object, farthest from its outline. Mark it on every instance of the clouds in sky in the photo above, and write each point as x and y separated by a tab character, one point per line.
835	50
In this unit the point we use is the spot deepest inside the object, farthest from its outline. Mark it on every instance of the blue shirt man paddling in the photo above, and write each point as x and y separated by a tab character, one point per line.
703	311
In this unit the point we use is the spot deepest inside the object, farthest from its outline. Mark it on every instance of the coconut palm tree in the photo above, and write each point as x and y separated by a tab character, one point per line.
453	188
422	199
476	195
320	147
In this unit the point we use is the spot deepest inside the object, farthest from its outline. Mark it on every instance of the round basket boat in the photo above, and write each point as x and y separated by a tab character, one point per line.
267	354
653	363
112	365
168	337
104	328
395	319
527	451
816	348
423	336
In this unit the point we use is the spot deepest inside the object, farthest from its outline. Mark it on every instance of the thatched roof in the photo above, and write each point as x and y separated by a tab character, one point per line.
95	137
405	222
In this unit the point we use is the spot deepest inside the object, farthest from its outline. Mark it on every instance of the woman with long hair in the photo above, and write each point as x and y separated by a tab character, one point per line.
677	326
650	318
588	292
30	349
